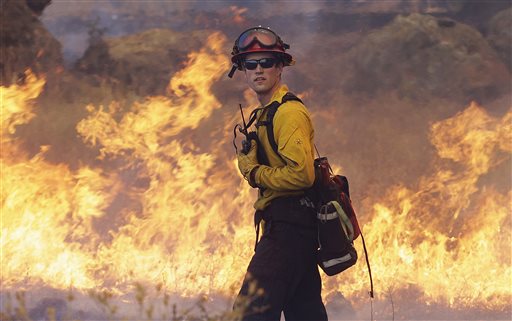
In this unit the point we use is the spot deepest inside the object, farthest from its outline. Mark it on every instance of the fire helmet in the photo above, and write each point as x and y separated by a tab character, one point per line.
258	39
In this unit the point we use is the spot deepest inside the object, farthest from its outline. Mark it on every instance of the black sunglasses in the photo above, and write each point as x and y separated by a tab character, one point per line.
252	64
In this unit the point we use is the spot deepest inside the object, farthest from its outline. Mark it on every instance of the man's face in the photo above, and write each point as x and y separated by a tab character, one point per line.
262	80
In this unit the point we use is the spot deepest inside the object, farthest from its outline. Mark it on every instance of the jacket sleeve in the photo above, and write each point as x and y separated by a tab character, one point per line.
293	132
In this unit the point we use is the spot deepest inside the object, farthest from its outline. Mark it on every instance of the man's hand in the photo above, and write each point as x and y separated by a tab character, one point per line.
248	163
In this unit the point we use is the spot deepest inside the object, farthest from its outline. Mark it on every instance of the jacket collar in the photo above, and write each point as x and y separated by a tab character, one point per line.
278	94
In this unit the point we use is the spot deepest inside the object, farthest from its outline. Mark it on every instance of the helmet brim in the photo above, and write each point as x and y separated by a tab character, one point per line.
287	58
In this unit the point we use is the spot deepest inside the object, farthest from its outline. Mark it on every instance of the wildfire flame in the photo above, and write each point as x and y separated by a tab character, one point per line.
42	222
238	14
15	109
447	236
179	214
48	215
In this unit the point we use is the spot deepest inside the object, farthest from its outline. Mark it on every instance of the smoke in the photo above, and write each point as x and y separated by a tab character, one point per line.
70	24
377	134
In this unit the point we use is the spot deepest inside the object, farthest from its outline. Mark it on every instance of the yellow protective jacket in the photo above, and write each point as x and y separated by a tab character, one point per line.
293	133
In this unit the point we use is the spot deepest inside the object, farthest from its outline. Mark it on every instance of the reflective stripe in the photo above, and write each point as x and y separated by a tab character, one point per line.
327	216
346	224
345	221
335	261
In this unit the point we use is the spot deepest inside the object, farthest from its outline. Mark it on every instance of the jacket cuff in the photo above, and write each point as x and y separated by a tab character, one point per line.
252	176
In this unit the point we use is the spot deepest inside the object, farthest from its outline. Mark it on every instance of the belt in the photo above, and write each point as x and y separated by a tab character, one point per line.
259	215
301	199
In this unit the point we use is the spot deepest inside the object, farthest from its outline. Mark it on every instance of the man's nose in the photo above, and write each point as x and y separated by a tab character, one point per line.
259	69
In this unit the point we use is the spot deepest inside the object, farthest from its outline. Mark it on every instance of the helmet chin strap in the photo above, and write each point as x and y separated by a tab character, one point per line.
233	69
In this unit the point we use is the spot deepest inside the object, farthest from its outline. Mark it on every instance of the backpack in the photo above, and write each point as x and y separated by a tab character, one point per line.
337	222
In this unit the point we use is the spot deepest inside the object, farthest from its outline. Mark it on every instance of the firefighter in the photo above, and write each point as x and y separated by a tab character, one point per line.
282	275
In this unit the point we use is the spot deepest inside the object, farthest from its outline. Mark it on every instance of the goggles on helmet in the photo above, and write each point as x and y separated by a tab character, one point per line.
266	38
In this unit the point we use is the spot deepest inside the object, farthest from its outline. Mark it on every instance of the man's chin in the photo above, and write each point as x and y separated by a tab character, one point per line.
261	89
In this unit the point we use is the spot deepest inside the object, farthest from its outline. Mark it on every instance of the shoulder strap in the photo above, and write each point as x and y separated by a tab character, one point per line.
269	122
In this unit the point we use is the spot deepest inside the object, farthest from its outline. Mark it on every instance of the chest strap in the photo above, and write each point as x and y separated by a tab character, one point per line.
269	121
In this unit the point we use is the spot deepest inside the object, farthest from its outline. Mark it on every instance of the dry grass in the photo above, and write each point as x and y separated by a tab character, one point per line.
150	307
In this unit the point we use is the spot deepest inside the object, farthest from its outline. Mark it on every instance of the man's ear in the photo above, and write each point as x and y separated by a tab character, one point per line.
280	64
280	67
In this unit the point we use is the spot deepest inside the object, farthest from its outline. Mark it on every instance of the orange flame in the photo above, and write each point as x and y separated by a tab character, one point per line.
181	222
238	13
16	108
46	209
447	236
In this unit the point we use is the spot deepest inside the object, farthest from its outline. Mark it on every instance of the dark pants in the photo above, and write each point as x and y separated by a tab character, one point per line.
283	273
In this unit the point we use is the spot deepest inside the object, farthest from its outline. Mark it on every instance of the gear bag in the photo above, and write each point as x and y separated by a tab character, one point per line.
337	222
